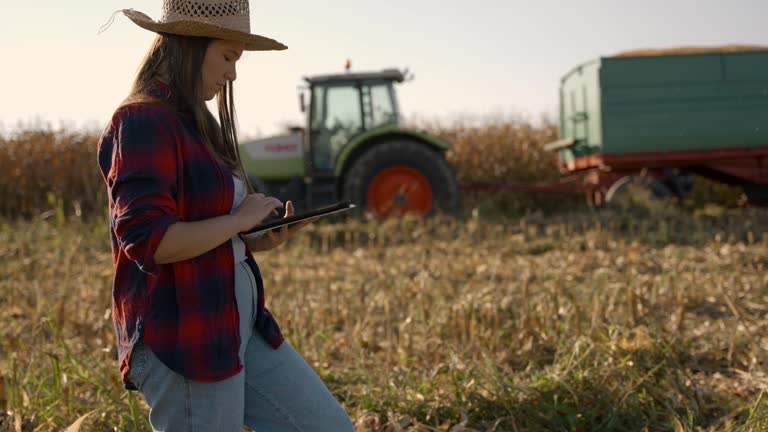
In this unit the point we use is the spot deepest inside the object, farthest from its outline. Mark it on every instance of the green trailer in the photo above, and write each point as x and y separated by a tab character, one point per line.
663	115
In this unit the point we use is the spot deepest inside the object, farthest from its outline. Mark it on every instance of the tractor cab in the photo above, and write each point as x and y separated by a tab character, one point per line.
344	106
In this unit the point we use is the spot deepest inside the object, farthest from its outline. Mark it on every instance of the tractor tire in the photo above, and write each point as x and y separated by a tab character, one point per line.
402	177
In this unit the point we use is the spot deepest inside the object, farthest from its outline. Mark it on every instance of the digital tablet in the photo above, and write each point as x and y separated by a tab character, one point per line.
277	223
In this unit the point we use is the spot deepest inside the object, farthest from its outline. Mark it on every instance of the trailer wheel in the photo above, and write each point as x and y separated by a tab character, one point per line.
402	177
636	191
757	194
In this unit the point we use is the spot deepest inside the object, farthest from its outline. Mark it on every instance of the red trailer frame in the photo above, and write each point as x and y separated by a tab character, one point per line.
737	167
599	176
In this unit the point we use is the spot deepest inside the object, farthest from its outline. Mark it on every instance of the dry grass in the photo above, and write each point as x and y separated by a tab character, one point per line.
47	171
54	173
578	322
506	150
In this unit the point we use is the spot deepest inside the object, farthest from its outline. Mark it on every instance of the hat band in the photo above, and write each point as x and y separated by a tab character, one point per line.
233	15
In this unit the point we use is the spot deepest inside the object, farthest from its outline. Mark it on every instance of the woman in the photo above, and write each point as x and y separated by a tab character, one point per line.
193	334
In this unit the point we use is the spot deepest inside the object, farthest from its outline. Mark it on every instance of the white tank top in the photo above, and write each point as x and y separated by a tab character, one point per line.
238	247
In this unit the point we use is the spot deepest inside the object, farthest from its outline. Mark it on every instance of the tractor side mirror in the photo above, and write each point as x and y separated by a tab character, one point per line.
302	105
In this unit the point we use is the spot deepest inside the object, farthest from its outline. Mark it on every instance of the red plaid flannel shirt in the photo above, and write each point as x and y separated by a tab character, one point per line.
158	171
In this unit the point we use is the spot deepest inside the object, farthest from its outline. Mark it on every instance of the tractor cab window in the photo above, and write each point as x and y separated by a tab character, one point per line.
336	118
318	108
379	107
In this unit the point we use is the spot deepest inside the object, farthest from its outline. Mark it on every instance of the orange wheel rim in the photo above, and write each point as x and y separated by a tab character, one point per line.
399	190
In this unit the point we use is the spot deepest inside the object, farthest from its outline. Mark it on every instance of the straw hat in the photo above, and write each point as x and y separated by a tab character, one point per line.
219	19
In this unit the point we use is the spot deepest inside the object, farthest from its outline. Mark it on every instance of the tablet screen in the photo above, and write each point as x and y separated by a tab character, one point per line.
323	211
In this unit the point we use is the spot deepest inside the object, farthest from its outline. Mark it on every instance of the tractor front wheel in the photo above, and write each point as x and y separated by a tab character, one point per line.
402	177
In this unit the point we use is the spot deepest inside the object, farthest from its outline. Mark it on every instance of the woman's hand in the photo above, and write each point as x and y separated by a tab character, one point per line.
274	238
254	209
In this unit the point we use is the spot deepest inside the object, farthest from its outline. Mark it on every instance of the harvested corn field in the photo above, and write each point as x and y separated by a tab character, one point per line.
578	322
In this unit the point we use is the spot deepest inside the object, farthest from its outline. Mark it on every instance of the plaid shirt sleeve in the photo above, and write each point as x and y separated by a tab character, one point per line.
142	183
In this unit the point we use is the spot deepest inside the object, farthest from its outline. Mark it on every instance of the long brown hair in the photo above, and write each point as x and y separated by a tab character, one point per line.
180	58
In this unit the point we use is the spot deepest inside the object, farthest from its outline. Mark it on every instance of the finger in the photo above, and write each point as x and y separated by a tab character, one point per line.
274	203
289	210
304	223
272	208
278	232
299	226
308	221
277	235
295	229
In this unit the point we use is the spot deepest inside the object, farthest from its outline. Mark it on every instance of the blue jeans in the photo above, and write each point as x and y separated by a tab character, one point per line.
276	391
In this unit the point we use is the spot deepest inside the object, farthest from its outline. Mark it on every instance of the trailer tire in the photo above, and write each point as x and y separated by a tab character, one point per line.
636	191
397	177
757	194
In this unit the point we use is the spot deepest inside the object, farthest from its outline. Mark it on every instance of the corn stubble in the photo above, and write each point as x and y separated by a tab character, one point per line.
578	322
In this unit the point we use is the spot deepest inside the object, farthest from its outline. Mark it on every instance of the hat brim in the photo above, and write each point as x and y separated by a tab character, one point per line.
195	28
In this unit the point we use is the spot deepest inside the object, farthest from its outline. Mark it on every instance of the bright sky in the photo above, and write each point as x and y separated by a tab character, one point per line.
471	59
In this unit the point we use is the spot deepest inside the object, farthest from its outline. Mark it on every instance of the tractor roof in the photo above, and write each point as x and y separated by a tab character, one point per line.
386	74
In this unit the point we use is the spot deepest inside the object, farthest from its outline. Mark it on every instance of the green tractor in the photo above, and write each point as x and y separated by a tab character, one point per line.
354	147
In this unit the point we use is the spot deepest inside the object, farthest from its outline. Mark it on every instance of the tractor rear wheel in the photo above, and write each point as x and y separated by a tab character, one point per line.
402	177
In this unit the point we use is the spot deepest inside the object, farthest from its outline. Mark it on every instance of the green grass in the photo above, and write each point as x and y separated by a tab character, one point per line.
561	322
